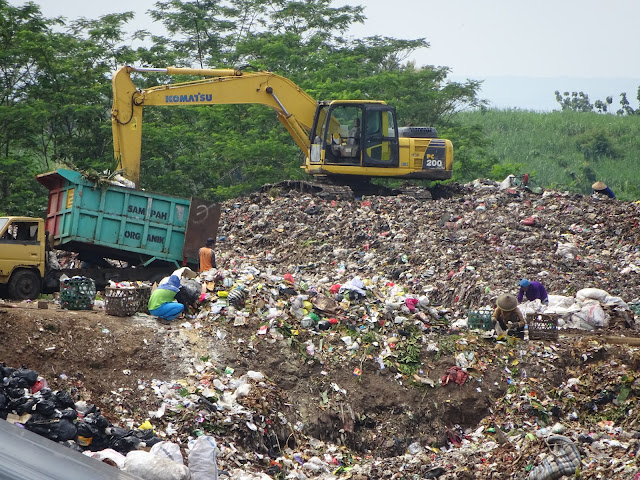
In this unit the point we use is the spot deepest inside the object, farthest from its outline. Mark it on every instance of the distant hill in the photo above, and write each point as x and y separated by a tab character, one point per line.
531	93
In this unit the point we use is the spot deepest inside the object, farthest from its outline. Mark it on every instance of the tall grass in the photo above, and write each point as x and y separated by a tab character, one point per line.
565	150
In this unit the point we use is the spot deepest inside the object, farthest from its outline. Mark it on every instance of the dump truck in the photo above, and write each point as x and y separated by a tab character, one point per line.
345	142
119	234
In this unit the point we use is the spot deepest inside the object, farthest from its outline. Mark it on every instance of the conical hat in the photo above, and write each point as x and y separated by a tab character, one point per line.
507	302
599	186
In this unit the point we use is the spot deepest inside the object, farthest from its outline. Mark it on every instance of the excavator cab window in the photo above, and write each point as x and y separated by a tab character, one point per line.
338	131
380	148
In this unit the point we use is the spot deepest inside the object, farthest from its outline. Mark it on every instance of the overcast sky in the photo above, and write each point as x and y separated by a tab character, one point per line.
557	42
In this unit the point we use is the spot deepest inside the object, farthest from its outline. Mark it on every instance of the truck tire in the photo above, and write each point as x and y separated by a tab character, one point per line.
24	285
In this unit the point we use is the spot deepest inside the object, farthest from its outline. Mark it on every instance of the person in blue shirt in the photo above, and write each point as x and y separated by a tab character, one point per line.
532	290
602	189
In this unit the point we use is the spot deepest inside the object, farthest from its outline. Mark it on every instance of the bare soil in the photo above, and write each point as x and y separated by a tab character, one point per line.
102	359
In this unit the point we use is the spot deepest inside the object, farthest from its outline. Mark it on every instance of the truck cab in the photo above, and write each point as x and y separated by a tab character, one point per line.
22	256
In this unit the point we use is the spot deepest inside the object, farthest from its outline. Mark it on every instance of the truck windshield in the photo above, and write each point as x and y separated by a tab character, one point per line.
3	222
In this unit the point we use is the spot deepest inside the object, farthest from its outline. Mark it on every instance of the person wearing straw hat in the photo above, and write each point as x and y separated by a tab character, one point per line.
601	189
507	317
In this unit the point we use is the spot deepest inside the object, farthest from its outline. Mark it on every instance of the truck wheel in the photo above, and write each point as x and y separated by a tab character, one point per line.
24	284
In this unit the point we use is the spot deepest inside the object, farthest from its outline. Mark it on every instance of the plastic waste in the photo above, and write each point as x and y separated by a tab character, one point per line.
108	455
202	459
237	297
307	322
189	292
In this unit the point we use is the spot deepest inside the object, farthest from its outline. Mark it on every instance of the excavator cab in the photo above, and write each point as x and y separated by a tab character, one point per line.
355	133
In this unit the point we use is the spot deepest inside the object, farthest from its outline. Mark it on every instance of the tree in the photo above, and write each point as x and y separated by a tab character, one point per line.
74	70
22	32
60	113
55	97
579	102
575	102
626	107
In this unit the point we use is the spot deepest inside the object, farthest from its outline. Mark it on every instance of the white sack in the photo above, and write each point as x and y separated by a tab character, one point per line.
591	294
592	314
202	459
107	454
508	182
168	450
238	474
559	301
149	467
567	250
616	301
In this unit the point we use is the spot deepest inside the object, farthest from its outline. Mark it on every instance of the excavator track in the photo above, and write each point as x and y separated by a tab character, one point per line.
327	189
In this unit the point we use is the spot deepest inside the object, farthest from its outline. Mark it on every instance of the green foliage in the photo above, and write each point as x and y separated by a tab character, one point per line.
596	145
447	345
579	102
574	101
502	171
472	155
566	150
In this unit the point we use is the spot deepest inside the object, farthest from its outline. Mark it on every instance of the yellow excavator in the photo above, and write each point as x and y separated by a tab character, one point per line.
342	140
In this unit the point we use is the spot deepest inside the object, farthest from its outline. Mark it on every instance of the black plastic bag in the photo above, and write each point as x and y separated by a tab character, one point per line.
63	399
26	406
69	414
6	371
189	293
56	429
46	408
63	430
29	376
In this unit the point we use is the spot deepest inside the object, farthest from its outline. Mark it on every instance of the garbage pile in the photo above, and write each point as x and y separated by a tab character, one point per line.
26	401
464	250
339	343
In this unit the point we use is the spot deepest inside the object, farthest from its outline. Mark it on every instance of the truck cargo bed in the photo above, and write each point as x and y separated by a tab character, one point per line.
126	224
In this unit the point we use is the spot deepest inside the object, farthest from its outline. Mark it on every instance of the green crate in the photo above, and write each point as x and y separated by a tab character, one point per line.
635	308
77	293
480	319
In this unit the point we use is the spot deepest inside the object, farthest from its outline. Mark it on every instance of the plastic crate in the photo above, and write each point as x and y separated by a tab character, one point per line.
480	319
126	301
77	293
542	326
635	308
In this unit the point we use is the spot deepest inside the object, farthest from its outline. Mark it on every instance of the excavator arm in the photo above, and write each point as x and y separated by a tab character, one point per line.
294	108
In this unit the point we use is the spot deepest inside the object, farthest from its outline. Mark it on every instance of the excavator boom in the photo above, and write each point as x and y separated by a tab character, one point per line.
224	86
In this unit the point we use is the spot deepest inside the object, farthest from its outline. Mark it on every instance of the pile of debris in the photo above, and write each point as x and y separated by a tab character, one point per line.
338	341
